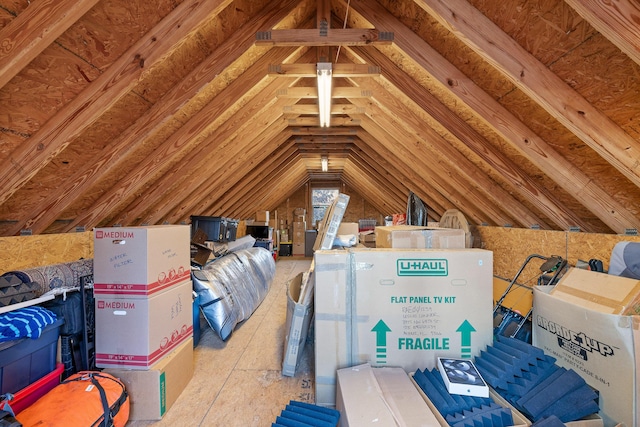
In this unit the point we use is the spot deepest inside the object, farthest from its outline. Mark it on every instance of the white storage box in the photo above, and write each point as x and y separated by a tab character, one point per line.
138	261
136	332
399	308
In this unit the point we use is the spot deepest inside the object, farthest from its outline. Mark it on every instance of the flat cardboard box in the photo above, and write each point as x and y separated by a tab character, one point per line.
154	391
418	237
299	312
140	261
391	307
519	420
368	396
519	298
599	291
600	347
135	333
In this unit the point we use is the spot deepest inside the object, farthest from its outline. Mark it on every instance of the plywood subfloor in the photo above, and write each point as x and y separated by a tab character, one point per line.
239	382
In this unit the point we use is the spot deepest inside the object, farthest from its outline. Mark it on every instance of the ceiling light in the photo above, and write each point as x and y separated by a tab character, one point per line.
324	92
325	163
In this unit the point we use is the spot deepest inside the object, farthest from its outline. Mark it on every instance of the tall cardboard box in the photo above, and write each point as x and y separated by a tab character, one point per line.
140	261
152	392
135	333
601	347
413	236
403	308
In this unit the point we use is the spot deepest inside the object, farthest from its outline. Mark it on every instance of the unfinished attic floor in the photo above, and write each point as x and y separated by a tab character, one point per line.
239	382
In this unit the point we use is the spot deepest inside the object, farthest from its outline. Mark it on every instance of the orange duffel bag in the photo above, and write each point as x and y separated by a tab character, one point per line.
87	398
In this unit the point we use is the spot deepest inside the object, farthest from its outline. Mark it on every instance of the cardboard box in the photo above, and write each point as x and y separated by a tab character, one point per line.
348	228
299	226
369	396
140	261
299	312
262	216
154	391
519	420
599	291
601	347
298	248
367	238
399	308
413	236
135	333
298	236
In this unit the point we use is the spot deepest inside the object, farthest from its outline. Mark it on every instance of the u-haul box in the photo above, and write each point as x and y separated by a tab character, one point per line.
401	308
601	347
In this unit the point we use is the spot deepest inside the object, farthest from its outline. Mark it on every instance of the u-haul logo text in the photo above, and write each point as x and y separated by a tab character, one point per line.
102	234
568	337
422	267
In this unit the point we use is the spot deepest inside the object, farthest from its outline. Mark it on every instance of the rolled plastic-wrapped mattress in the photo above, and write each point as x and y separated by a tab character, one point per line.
233	286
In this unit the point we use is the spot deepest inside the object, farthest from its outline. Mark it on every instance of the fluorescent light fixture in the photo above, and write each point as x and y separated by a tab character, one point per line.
324	92
325	163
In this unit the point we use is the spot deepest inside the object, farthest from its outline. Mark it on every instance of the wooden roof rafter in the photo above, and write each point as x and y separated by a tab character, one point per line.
517	133
540	84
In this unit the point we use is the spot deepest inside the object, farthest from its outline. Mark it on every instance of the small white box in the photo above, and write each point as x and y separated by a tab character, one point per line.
138	261
135	333
460	376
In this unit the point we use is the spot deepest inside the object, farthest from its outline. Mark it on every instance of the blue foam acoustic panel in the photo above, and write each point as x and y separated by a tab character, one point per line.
532	382
303	414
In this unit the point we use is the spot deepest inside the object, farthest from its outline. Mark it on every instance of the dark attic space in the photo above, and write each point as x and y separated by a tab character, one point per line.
353	213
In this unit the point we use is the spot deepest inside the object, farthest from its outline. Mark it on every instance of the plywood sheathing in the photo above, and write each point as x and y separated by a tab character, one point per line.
22	252
560	27
512	246
558	37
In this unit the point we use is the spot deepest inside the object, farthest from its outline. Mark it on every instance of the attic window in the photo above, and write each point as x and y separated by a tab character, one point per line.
321	199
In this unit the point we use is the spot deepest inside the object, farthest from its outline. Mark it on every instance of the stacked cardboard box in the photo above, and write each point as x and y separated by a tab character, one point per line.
298	236
143	310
